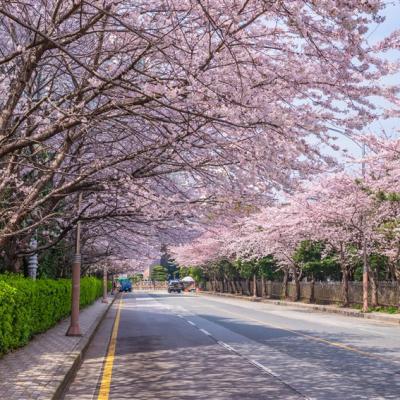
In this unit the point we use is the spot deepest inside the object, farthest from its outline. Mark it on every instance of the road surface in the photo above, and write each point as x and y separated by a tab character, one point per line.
174	346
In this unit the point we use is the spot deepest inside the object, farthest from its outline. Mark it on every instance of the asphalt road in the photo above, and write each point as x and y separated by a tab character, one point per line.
171	346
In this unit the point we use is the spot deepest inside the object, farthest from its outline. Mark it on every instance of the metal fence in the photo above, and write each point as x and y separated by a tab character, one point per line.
324	292
150	285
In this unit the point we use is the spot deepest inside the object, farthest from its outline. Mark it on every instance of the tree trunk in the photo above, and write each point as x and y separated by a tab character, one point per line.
262	286
312	289
13	263
297	284
248	287
105	283
285	284
374	288
254	285
345	278
345	287
392	270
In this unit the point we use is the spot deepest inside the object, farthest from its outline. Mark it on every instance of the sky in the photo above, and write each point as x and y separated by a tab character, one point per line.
376	34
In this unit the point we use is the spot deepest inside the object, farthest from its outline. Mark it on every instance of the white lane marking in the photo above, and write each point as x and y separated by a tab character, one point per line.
144	298
179	315
263	367
205	332
191	323
226	346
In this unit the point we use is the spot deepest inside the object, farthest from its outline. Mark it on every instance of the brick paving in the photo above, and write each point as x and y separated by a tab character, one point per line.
37	370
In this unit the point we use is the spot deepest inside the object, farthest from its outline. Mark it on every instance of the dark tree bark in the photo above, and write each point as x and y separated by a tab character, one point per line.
373	277
345	278
297	283
312	289
254	285
262	286
285	284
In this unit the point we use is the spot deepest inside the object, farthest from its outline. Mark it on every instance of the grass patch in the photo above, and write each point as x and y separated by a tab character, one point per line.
382	309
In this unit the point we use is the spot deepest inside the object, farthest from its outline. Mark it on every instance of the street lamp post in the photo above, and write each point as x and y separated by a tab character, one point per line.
74	328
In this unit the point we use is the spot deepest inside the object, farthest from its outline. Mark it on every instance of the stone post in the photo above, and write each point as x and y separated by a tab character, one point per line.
33	260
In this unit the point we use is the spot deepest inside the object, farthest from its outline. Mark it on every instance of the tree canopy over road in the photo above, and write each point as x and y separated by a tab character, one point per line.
168	116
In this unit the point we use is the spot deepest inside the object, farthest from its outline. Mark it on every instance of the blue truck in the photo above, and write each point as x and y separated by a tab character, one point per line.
125	285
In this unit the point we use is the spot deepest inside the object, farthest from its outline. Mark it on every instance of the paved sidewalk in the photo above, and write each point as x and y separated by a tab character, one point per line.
351	312
38	370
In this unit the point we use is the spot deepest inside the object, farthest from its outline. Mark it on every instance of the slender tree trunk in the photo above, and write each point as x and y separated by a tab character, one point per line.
235	286
248	286
254	285
365	277
297	284
229	285
285	284
105	297
345	287
232	287
345	278
241	287
262	286
392	270
312	289
374	288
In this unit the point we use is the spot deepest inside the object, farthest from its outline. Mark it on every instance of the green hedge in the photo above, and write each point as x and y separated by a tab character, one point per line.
28	307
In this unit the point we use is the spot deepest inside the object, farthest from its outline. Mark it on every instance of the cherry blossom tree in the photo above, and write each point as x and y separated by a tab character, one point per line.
215	102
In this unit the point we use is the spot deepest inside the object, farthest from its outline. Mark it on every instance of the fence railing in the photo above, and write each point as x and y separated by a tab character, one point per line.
150	285
324	292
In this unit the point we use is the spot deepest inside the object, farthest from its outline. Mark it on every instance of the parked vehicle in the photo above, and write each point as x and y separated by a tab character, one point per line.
175	286
125	285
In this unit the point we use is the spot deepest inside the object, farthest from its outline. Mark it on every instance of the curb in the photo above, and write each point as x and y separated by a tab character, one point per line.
79	353
313	307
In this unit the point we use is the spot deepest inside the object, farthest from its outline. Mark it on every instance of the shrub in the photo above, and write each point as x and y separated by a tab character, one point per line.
28	307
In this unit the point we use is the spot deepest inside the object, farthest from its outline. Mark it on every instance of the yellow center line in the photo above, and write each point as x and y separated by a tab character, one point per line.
109	362
310	337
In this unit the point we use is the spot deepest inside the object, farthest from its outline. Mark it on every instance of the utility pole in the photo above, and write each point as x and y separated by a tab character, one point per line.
364	246
74	328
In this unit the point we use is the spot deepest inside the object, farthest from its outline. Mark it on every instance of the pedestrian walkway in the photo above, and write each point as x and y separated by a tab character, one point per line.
38	370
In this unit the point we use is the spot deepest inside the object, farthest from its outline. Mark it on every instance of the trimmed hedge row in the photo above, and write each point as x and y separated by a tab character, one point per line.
28	307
